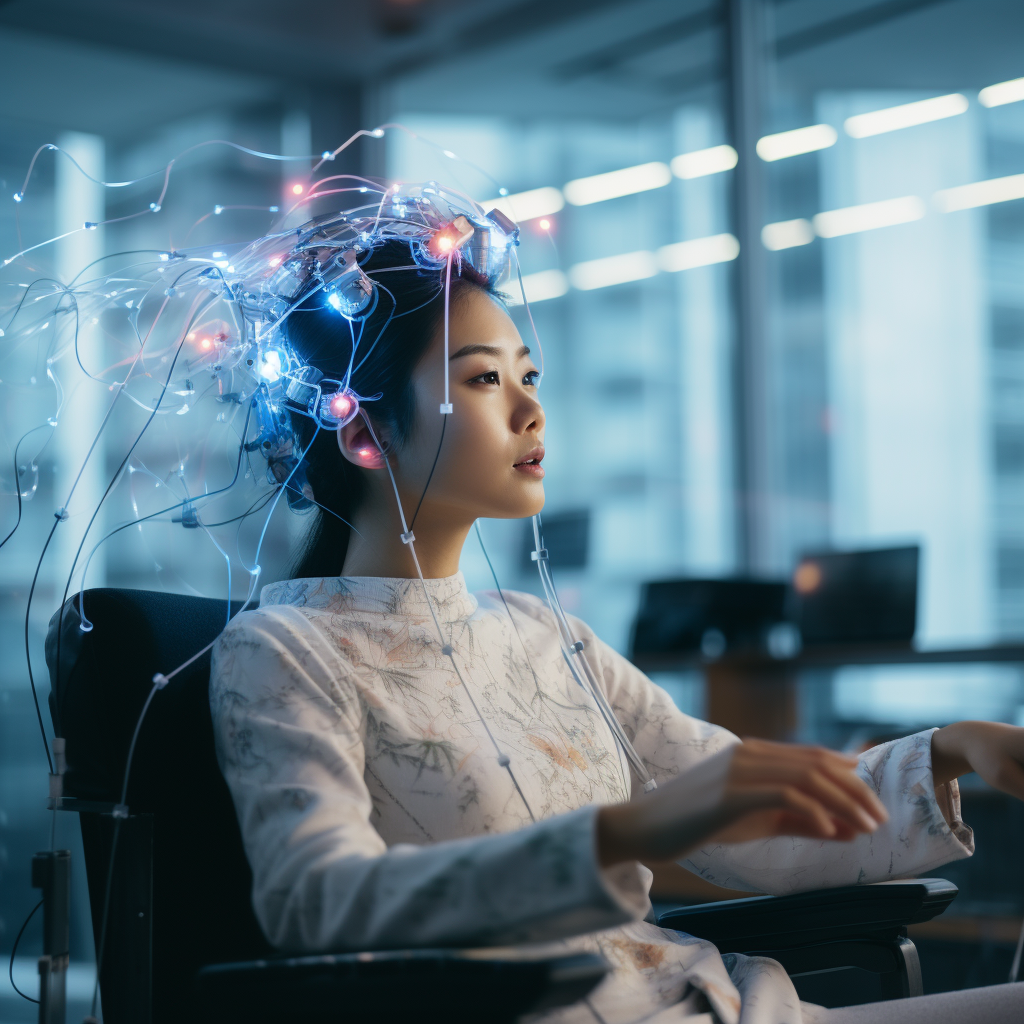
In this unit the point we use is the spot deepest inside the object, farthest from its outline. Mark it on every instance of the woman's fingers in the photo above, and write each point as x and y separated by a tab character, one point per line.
821	774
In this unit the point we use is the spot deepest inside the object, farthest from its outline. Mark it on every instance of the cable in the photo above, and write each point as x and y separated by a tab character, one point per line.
430	476
14	950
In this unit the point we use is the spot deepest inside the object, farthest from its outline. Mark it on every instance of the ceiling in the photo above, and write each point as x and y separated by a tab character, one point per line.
113	66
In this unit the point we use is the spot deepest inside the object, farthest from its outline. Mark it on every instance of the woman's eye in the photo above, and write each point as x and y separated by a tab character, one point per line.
532	378
488	378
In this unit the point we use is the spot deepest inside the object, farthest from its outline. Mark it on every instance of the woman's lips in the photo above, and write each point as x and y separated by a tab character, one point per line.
531	464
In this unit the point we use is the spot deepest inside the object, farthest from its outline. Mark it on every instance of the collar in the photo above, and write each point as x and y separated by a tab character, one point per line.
380	594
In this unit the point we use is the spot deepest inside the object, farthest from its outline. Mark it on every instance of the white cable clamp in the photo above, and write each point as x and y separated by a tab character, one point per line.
408	537
56	786
540	555
649	785
61	515
446	409
160	680
59	763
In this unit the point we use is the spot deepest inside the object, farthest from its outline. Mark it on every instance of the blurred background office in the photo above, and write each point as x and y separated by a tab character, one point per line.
775	255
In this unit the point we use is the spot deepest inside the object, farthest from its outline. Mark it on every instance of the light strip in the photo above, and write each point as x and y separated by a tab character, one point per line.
698	252
1002	92
785	234
539	287
869	216
599	187
980	193
630	266
906	115
797	141
523	206
702	162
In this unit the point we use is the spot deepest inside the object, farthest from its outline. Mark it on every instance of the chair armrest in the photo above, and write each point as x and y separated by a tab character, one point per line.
879	911
498	985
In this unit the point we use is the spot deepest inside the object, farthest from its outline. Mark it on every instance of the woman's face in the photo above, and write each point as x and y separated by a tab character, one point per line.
490	461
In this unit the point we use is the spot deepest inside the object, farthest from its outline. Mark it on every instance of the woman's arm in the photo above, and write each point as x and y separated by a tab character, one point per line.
918	836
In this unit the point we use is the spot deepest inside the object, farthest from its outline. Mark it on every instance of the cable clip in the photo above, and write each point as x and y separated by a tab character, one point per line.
120	811
446	409
650	785
447	650
160	680
408	538
504	760
61	515
577	647
541	555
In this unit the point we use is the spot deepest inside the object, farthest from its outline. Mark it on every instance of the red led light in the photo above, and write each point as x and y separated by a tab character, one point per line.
342	405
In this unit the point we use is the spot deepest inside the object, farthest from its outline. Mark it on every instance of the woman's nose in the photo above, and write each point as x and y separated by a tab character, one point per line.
529	415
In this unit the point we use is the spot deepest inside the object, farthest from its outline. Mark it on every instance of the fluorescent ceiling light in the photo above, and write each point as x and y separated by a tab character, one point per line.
891	119
547	284
698	252
785	234
800	140
630	266
595	189
523	206
702	162
868	216
1004	92
980	193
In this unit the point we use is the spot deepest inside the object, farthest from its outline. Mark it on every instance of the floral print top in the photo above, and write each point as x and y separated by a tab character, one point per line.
377	813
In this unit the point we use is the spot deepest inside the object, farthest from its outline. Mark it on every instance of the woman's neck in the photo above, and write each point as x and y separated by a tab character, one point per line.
375	547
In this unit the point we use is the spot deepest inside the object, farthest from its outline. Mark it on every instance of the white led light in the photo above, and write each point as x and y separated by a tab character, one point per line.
599	187
539	287
868	216
906	115
629	266
702	162
1002	92
797	141
523	206
785	234
980	193
698	252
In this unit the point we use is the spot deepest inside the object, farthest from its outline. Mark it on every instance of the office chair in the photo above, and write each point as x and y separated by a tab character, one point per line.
181	940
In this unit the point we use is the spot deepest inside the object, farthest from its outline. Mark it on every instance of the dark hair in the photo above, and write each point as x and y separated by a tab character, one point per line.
410	309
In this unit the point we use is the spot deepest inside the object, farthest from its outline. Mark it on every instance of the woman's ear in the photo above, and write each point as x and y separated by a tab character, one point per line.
358	445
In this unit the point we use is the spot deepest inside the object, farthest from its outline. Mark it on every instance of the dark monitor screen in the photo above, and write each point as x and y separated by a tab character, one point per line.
857	596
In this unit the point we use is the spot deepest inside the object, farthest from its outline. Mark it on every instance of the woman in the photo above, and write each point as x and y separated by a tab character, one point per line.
413	765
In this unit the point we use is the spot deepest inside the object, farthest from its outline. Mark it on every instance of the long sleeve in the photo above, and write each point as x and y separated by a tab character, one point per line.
918	837
290	723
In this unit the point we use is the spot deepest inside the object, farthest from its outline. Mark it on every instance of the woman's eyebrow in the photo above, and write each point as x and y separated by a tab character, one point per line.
486	350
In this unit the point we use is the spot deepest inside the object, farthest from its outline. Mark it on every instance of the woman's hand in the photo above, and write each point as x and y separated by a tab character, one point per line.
753	790
994	750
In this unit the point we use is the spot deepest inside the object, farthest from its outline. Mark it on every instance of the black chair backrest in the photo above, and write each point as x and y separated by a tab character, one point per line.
201	881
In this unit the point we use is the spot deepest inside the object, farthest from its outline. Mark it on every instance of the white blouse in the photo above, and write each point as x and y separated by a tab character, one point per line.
376	814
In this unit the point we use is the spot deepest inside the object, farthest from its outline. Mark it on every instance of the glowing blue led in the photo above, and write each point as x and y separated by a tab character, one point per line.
155	207
272	366
326	155
89	225
218	209
502	191
18	196
273	209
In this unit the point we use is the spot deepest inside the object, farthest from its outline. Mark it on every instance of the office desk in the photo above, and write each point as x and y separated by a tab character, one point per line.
754	694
